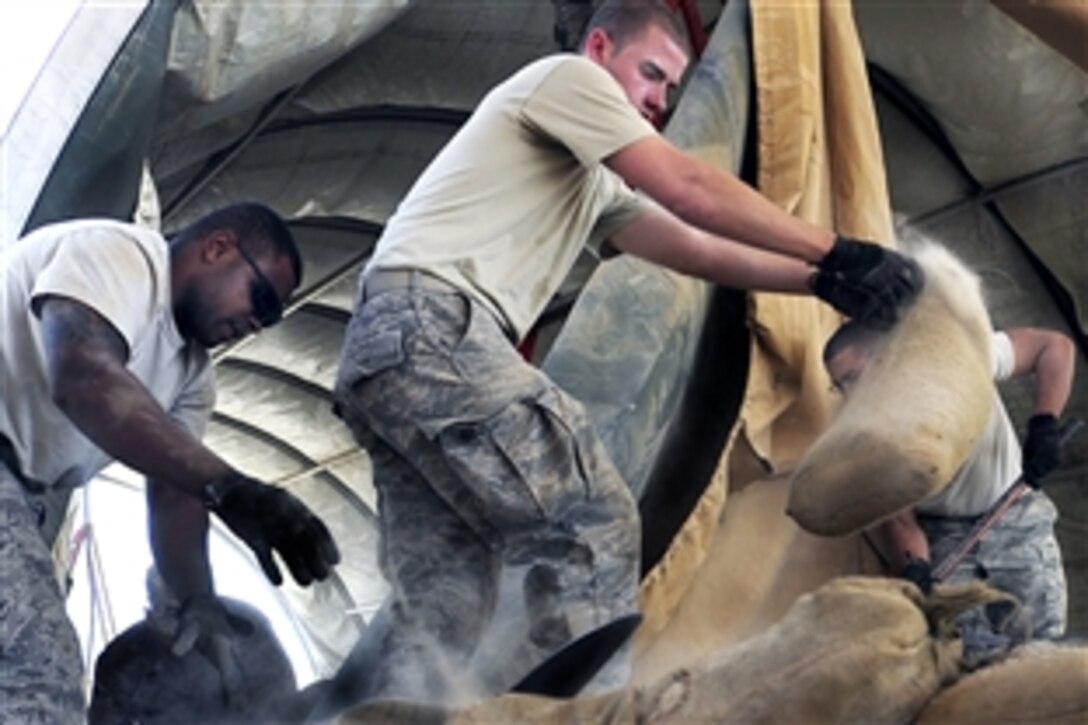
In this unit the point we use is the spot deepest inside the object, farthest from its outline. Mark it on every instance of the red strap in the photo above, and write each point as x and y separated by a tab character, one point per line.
694	22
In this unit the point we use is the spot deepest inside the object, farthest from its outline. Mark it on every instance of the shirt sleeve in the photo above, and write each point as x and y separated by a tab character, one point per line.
582	107
107	271
193	405
625	207
1002	356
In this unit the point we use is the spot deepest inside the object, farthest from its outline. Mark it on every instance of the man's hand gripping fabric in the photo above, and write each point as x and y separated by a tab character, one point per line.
867	282
269	518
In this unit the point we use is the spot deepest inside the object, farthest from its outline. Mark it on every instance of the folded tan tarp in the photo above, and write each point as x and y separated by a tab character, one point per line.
915	414
859	649
1042	683
820	158
759	563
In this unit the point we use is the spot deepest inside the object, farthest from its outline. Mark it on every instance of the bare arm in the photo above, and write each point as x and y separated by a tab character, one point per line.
178	532
86	362
903	540
662	238
89	382
715	201
1050	356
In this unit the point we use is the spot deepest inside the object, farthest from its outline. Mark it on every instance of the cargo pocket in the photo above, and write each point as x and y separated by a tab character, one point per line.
364	357
1052	621
520	463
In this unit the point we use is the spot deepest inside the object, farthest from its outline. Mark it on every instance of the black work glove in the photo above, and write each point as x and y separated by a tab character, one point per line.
268	518
204	623
920	572
1042	448
867	282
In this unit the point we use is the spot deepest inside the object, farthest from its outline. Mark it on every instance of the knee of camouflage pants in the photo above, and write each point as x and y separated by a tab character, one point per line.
548	625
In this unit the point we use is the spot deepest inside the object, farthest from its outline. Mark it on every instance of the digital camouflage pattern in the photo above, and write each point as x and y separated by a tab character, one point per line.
1019	556
483	467
40	665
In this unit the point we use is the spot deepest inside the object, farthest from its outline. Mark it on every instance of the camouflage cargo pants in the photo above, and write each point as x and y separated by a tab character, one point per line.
483	466
1020	556
40	665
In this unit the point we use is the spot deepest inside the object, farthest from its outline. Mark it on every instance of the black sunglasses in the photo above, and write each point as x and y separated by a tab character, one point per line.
266	303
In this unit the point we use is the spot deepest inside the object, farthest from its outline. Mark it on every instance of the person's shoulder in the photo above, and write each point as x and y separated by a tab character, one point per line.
576	64
569	60
120	242
143	234
92	227
149	241
101	236
566	67
151	244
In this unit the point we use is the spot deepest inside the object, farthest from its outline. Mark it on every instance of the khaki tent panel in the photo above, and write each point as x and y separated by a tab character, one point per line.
809	72
1042	683
819	158
758	564
859	649
913	417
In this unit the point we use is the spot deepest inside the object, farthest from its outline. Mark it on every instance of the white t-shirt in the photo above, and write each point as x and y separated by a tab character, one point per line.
504	209
994	464
122	272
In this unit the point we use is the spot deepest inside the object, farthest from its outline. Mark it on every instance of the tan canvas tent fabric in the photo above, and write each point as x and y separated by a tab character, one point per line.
757	565
819	157
1042	683
859	649
914	415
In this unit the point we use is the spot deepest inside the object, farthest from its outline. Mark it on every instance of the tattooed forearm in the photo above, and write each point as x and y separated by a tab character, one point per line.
69	327
89	382
86	359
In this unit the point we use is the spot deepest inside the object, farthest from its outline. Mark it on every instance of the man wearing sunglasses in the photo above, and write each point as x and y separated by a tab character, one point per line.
106	329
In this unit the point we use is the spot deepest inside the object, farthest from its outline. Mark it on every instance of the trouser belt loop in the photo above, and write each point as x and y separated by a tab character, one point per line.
380	281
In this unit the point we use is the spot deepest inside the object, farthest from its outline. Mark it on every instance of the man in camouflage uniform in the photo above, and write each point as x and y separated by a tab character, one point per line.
1020	554
483	464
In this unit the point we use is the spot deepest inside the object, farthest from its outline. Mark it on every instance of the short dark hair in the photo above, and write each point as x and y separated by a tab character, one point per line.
851	334
626	20
258	227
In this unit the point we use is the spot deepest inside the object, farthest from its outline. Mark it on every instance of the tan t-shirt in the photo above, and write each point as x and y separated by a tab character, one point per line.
504	209
122	272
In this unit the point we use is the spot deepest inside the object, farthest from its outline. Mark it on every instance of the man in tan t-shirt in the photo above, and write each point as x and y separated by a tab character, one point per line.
483	465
